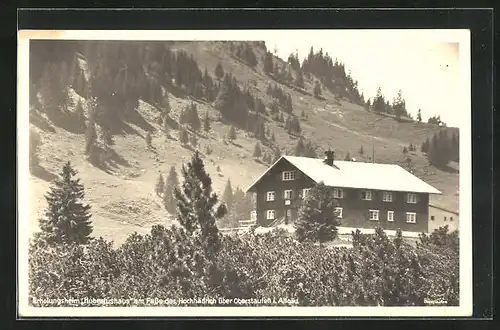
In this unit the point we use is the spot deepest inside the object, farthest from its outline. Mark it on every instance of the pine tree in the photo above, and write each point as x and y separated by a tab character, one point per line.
318	217
399	106
206	122
227	196
219	72
218	169
183	136
405	150
231	135
165	125
299	79
193	141
80	114
90	133
317	89
160	185
347	157
149	139
193	118
361	151
171	183
273	138
268	62
256	151
425	146
66	219
300	148
419	116
198	207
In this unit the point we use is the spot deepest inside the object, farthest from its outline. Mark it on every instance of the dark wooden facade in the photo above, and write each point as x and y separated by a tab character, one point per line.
355	210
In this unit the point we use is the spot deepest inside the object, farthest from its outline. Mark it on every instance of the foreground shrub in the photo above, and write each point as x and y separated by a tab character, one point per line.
170	262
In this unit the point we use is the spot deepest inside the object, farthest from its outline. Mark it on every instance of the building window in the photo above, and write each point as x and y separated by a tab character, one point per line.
305	192
451	218
288	175
339	211
432	217
390	216
387	196
270	196
374	215
411	198
411	217
445	219
366	195
270	214
338	193
287	194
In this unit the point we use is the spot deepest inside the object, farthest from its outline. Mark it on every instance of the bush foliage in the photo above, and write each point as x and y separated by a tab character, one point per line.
376	271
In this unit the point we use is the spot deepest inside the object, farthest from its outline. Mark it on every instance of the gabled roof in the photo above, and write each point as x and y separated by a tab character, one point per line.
359	175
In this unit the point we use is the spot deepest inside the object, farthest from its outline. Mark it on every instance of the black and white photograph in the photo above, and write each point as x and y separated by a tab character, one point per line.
244	173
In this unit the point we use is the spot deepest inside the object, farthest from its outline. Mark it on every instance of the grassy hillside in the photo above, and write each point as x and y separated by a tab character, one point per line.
121	191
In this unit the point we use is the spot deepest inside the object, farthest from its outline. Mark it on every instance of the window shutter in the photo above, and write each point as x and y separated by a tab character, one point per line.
297	174
279	176
417	199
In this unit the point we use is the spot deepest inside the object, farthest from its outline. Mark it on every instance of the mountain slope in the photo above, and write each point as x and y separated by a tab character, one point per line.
122	191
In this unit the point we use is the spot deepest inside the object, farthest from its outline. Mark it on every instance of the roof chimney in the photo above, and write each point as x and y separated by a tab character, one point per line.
329	157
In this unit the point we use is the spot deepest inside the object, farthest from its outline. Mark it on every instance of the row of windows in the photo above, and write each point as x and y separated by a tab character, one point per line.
339	193
445	218
411	217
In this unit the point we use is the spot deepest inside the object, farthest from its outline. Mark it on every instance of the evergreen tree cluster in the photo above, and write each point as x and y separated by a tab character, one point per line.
382	105
303	149
332	75
189	116
268	62
436	120
292	125
442	148
244	52
166	189
281	99
238	204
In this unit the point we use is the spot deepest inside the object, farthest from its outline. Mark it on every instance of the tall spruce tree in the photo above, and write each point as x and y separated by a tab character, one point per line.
219	72
171	183
317	89
257	152
206	122
300	148
194	119
318	217
183	136
231	135
227	196
198	208
160	185
67	219
419	116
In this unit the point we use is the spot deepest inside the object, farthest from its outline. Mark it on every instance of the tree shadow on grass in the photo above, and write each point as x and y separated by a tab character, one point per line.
40	122
107	159
134	117
41	173
448	169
